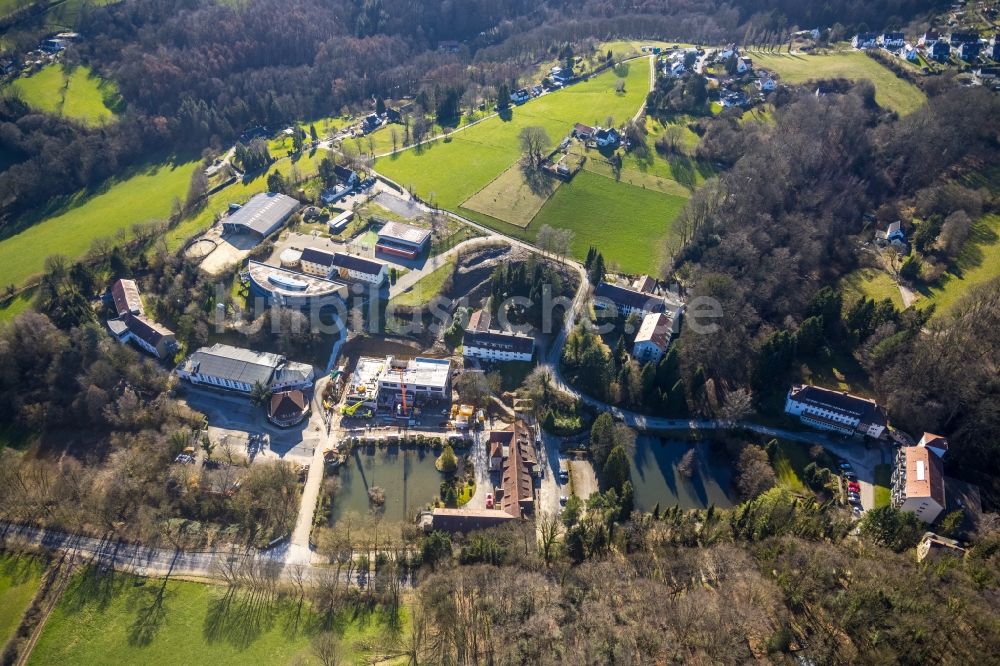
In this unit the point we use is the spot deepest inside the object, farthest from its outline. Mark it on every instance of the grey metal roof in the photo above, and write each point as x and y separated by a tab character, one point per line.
499	341
234	363
264	213
360	264
629	297
314	255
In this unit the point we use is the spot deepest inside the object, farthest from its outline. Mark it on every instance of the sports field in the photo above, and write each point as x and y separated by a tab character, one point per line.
512	197
448	173
146	195
136	621
890	91
19	580
77	93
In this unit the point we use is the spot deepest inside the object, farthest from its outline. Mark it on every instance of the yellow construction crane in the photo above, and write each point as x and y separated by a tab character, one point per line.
349	410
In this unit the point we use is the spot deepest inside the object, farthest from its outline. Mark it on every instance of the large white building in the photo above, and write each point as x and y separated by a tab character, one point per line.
653	338
379	382
150	336
918	478
239	369
835	410
323	263
480	342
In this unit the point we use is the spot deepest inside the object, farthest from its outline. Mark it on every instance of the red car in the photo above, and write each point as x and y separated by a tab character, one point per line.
854	488
489	501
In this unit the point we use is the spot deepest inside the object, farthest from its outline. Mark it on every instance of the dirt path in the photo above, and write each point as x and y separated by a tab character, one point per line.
61	573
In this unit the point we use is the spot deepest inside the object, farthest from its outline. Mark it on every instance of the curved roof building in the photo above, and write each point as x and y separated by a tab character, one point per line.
293	289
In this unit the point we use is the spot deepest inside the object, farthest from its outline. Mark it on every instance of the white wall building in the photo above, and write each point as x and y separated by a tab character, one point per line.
498	346
835	410
918	478
239	369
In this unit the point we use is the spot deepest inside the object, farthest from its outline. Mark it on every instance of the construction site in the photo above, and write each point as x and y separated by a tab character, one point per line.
397	388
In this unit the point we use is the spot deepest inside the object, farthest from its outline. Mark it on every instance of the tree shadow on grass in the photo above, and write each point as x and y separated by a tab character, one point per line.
239	618
683	170
539	182
150	610
972	255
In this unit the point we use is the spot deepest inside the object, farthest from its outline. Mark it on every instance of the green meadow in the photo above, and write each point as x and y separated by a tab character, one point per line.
76	93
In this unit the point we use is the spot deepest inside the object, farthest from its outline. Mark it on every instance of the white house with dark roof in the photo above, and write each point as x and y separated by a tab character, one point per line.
359	268
838	411
237	369
317	262
498	346
148	335
625	300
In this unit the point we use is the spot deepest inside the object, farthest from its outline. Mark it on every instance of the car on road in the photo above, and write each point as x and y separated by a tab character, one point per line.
846	466
853	487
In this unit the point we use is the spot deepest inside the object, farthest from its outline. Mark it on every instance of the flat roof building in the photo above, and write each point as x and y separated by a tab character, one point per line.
264	214
239	369
292	289
402	240
379	382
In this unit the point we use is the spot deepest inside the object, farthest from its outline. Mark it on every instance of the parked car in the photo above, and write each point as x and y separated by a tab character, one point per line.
854	487
489	501
850	476
563	499
846	466
858	511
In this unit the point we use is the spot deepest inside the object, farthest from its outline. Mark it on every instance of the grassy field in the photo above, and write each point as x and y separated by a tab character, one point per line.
19	580
630	225
978	263
146	195
15	306
789	462
77	93
890	91
306	163
130	621
448	173
882	485
871	283
513	198
426	287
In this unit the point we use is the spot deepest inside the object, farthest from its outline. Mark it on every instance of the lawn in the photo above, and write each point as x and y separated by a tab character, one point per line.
790	460
306	163
19	580
136	621
631	226
870	283
512	197
426	287
145	195
15	306
448	173
979	262
890	91
77	93
882	486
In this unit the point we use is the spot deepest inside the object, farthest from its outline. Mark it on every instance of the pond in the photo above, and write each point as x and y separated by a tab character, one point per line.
408	477
657	480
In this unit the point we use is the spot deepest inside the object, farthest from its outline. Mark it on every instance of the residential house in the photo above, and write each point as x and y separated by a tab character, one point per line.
607	138
728	52
893	235
371	123
939	51
347	181
745	64
891	41
910	53
315	261
625	301
520	96
653	338
499	445
958	38
969	51
985	76
929	39
865	40
393	115
918	479
838	411
583	132
125	295
498	346
146	334
766	85
359	268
